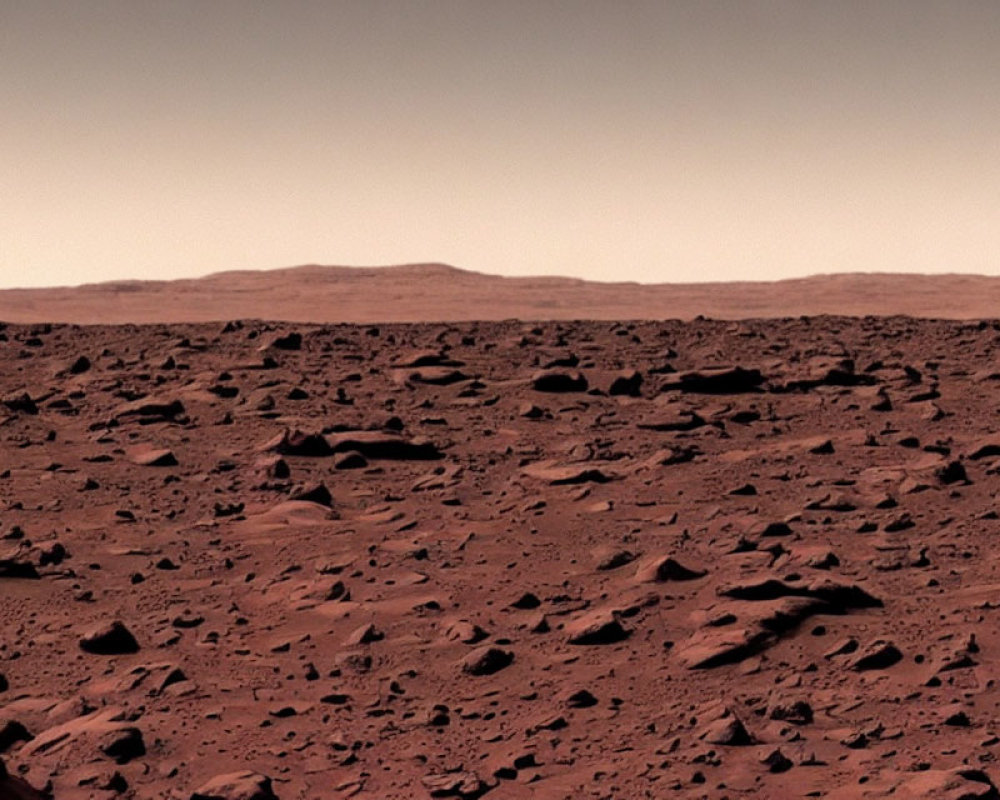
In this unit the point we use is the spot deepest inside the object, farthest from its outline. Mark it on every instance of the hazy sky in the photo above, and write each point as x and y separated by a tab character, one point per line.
617	140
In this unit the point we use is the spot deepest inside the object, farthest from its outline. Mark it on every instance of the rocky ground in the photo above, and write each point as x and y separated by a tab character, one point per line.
554	560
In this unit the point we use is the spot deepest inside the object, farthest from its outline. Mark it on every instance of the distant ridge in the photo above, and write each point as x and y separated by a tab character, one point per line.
439	292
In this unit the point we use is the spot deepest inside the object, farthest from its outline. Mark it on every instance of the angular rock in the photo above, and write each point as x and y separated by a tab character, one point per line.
776	761
365	634
840	595
615	559
670	456
728	730
123	744
718	647
798	712
627	384
298	443
109	639
596	628
17	566
964	783
666	568
20	403
12	732
558	381
290	341
383	445
733	380
681	420
487	661
423	358
460	784
566	475
350	459
79	366
273	467
14	788
313	493
152	410
879	655
530	411
985	448
952	472
433	376
155	458
244	785
581	699
465	632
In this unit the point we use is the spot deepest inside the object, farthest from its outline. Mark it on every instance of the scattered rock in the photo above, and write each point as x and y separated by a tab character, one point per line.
734	380
728	730
383	445
314	493
244	785
12	732
290	341
776	761
487	661
627	384
455	784
14	788
596	628
109	639
666	568
350	459
155	458
298	443
798	712
123	745
953	472
878	655
558	381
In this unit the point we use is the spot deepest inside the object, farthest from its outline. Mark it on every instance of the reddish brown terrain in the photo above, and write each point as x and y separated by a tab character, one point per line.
543	560
436	292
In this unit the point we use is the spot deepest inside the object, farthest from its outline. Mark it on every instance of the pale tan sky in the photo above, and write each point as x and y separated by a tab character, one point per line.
650	141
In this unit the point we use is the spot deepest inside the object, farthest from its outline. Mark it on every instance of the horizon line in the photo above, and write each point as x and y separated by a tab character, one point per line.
427	265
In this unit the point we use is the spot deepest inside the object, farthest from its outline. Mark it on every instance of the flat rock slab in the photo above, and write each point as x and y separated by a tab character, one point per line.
155	457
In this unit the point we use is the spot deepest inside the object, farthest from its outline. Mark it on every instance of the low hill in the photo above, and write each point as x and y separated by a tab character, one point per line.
436	292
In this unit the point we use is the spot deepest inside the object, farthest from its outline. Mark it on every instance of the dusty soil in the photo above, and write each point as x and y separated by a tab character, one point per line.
514	560
435	292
